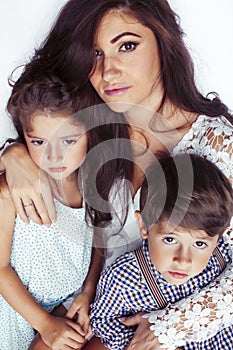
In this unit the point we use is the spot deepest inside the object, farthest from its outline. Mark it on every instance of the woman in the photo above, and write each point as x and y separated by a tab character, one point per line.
141	68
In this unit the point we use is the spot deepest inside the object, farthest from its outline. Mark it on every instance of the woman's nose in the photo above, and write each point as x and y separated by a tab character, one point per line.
111	69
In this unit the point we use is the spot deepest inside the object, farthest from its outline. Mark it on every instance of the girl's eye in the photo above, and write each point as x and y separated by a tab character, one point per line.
129	46
69	142
169	240
200	244
37	142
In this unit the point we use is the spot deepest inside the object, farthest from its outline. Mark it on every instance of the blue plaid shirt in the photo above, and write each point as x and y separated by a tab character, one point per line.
122	291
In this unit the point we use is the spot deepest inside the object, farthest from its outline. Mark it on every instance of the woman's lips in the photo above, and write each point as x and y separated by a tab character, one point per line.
116	90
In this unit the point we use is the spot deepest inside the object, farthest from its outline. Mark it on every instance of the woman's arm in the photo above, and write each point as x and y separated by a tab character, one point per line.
28	185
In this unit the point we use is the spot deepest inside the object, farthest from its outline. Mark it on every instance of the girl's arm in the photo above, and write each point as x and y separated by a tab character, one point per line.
27	184
81	304
16	295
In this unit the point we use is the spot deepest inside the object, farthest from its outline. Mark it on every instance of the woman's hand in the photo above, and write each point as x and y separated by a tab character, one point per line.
29	186
144	338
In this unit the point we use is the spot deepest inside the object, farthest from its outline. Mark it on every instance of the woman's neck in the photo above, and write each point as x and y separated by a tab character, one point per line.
154	135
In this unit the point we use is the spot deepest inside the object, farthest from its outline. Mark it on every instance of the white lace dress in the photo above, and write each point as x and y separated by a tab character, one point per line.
209	311
51	262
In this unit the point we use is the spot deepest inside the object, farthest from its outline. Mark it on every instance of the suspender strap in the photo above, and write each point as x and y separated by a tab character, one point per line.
220	258
149	278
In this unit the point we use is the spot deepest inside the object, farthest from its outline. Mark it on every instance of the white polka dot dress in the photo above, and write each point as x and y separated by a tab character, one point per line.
51	262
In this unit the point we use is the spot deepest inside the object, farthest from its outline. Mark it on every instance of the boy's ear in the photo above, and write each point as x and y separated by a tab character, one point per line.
142	227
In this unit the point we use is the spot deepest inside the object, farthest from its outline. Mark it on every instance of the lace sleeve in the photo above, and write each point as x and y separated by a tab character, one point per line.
197	317
211	138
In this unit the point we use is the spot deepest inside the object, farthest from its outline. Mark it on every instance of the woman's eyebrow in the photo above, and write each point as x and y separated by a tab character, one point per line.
123	34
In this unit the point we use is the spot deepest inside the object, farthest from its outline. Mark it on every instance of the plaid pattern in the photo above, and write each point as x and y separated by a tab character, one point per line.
221	341
122	291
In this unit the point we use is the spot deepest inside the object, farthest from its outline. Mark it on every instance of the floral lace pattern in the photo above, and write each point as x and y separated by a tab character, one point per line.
197	317
211	138
210	310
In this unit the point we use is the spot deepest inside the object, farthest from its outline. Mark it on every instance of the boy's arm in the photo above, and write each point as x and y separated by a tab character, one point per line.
27	184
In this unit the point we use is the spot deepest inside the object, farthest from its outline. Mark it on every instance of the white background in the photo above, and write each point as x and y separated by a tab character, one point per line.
208	25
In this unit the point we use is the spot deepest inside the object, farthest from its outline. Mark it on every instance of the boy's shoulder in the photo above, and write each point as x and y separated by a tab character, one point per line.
123	265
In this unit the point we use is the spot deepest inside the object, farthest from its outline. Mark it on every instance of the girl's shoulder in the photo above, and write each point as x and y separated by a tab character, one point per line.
4	190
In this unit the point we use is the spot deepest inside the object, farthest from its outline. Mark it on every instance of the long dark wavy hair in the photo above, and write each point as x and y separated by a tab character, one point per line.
68	50
105	130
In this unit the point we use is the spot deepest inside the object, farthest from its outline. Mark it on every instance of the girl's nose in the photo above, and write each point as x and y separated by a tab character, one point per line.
54	154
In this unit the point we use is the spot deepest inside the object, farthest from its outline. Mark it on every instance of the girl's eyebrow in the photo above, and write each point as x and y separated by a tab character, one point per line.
123	34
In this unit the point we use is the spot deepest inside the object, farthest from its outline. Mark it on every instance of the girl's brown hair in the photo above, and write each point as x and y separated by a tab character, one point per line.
103	126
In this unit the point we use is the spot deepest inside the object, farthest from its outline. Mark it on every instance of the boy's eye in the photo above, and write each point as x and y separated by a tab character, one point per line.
169	240
200	244
129	46
37	142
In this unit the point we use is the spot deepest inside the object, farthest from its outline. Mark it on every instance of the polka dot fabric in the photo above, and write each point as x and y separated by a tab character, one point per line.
51	262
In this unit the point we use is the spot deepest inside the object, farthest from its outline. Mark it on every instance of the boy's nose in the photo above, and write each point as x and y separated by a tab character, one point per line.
183	256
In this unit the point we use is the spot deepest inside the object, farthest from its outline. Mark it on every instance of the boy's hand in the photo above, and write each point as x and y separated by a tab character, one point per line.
60	333
81	307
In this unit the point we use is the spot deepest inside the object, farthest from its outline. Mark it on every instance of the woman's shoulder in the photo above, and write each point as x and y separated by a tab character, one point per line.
212	138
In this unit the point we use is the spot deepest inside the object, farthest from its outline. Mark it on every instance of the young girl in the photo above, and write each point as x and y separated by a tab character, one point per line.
40	267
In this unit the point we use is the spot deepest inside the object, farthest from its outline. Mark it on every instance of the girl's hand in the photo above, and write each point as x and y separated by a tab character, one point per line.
60	333
81	307
29	186
144	338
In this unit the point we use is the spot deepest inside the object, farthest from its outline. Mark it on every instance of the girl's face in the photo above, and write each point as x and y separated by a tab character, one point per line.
127	71
55	144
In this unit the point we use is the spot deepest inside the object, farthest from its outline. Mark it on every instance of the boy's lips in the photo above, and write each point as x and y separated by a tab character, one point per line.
116	90
176	274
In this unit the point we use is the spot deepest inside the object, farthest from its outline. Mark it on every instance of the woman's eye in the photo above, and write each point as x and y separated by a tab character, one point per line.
200	244
98	53
129	46
169	240
37	142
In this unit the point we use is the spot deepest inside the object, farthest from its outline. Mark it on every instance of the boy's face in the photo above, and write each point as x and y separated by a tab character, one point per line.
180	254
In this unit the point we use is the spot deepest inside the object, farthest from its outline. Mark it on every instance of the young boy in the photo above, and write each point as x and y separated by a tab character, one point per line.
186	205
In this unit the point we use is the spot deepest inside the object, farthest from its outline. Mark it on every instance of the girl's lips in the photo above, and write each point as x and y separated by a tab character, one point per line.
117	90
57	170
180	275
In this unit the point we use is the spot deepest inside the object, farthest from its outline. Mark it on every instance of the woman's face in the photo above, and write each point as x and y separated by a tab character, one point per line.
127	71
